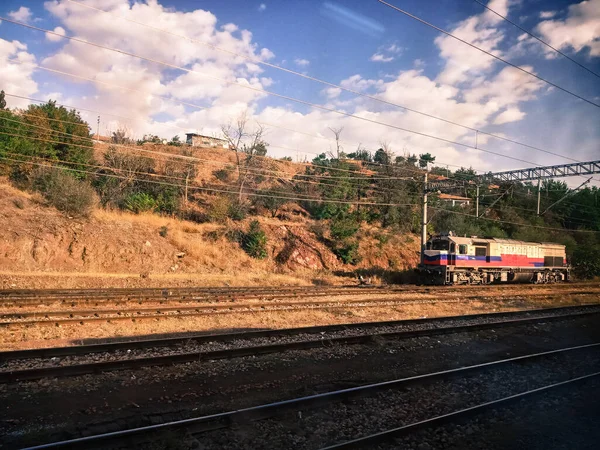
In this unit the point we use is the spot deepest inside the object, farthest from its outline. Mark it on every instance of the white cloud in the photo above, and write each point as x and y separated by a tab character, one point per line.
23	14
262	7
509	115
479	99
462	61
331	92
378	57
579	30
209	84
386	53
16	76
230	27
54	37
547	14
267	54
360	84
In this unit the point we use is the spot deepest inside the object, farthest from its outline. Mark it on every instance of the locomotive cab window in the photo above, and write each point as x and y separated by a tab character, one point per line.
440	245
480	251
462	249
452	247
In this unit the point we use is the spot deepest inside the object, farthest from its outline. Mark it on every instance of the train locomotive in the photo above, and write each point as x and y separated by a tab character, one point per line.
450	259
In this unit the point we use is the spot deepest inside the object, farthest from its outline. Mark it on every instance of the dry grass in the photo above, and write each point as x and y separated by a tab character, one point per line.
12	339
82	280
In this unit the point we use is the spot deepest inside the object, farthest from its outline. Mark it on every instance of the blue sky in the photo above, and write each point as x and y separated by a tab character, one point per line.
363	45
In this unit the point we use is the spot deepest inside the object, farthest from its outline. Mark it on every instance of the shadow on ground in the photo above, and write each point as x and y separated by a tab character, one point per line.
143	337
385	275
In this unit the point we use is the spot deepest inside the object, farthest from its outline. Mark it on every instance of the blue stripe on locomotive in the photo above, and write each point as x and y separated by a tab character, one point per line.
444	257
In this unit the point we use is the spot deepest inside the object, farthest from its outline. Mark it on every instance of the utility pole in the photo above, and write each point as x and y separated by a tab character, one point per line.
477	203
538	202
98	130
424	220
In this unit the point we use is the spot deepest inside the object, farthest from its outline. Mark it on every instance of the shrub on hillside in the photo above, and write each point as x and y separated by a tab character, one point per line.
586	262
237	210
348	253
225	175
255	241
64	192
219	209
272	200
343	227
140	202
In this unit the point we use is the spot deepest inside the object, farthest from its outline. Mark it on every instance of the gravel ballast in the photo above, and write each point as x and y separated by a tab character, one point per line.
72	407
192	346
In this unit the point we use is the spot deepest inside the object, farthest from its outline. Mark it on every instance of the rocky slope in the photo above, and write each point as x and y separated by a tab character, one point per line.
41	247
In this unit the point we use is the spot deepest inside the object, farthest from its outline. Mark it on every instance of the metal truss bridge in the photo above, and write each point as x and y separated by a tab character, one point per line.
529	174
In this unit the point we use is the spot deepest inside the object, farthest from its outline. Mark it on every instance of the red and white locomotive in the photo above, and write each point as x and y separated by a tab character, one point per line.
449	259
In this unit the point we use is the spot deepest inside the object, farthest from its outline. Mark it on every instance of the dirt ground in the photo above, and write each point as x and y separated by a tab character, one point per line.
417	306
41	248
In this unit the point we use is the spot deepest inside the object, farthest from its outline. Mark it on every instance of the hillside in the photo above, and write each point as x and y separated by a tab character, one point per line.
45	248
144	213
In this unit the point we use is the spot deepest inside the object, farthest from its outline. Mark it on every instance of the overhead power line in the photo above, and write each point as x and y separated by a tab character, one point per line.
264	91
370	187
171	157
363	176
199	188
458	177
447	33
355	182
318	80
288	198
511	223
533	36
260	122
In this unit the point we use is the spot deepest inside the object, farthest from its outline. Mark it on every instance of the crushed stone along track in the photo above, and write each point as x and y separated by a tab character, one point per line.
81	317
368	411
79	360
33	312
75	297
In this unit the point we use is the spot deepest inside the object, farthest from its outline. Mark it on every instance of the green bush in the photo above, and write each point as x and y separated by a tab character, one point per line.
64	192
343	227
348	253
167	200
586	262
218	210
272	200
164	230
236	210
140	202
255	241
225	175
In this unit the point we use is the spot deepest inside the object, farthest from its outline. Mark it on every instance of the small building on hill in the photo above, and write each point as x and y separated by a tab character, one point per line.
198	140
455	199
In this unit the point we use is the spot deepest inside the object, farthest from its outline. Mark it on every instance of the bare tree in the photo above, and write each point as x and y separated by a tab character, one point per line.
247	145
122	135
339	150
384	155
185	167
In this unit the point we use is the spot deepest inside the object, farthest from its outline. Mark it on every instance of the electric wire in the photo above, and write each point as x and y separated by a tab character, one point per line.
324	82
223	191
282	96
447	33
530	34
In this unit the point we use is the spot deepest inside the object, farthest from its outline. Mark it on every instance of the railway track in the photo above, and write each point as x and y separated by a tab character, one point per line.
81	317
75	297
92	359
499	382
